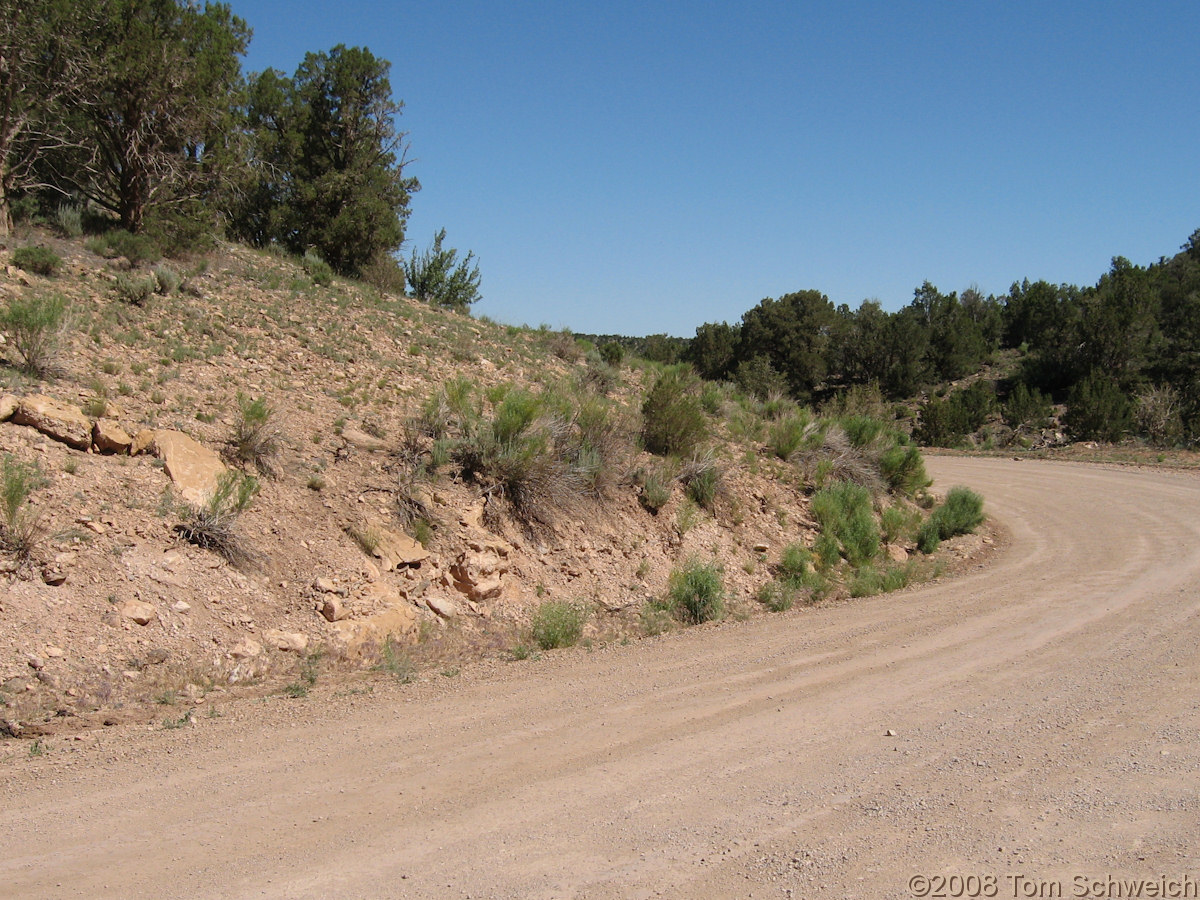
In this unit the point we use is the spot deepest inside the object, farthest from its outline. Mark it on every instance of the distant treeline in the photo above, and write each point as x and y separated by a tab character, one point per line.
1123	355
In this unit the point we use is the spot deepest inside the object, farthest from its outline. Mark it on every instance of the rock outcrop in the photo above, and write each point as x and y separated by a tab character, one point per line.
55	419
193	468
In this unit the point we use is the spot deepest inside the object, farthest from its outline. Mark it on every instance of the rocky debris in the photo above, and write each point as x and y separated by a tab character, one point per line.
53	575
378	594
398	622
109	437
181	606
139	611
193	468
287	641
141	441
246	648
394	550
156	656
447	609
8	406
356	437
616	606
897	553
334	609
327	586
14	685
479	572
60	421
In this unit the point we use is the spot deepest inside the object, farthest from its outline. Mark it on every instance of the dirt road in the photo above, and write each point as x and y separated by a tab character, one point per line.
1046	712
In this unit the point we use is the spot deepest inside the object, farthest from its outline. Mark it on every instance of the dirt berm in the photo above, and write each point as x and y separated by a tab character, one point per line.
1032	724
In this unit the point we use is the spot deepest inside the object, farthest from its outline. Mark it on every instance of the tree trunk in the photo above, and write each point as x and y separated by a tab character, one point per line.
5	213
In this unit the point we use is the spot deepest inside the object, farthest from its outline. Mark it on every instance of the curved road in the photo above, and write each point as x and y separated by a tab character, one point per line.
1046	711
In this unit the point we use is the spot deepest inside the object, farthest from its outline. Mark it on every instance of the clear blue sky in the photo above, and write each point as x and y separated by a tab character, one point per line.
641	167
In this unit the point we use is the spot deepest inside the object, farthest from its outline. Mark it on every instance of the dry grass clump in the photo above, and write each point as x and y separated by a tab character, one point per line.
533	456
255	436
213	524
703	479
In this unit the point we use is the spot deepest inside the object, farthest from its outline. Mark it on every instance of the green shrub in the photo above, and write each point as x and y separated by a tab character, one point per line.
674	422
69	219
437	277
39	260
535	455
514	415
599	376
1026	407
868	581
843	510
960	513
794	561
777	405
557	623
168	279
788	434
317	269
946	423
703	488
816	585
20	528
422	532
655	493
135	290
1098	410
525	472
595	445
827	550
213	525
928	536
95	407
863	431
758	378
656	616
384	274
702	480
784	591
36	324
137	248
612	353
896	522
777	596
697	592
903	468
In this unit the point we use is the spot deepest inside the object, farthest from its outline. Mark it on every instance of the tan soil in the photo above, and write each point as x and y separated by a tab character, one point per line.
1044	707
338	365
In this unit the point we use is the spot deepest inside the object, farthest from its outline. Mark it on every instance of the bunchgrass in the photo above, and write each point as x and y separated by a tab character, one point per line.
557	623
697	592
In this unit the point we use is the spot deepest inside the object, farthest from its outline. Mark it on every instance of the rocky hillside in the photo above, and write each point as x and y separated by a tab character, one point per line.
370	533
